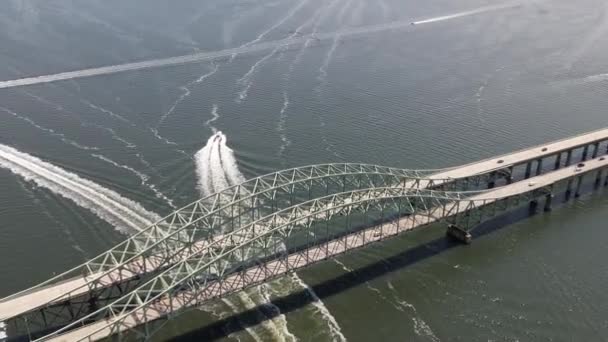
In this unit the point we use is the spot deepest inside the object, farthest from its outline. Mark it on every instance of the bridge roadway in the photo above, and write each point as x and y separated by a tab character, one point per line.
39	297
263	272
523	156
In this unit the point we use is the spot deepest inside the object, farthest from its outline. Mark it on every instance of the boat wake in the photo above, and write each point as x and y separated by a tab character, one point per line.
216	168
246	48
186	92
468	13
126	215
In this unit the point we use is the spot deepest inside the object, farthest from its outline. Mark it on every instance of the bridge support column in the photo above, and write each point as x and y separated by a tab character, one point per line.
585	151
568	189
528	169
533	206
568	158
548	202
579	183
558	161
459	234
598	178
492	181
606	180
510	175
596	148
539	167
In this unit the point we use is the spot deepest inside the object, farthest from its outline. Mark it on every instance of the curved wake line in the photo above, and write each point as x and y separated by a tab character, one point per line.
108	112
198	57
50	131
214	116
334	327
289	15
185	93
285	142
121	212
246	80
319	17
144	178
322	77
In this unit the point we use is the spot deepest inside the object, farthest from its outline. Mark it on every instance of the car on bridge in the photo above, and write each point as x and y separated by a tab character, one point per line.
579	167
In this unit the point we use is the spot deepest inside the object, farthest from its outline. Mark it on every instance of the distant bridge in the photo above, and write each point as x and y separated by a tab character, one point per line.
274	224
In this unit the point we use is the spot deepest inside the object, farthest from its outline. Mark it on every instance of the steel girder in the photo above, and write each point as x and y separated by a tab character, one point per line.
266	237
162	244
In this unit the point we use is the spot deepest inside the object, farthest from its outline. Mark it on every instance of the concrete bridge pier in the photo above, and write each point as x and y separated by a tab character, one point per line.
568	189
533	206
509	175
585	152
606	180
492	180
598	179
528	170
539	167
596	148
558	161
459	234
568	158
579	183
548	202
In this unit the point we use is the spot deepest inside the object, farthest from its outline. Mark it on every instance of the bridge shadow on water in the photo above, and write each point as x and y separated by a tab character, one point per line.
238	322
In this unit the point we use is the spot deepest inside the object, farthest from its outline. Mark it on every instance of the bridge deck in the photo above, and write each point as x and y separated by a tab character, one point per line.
29	301
271	269
524	155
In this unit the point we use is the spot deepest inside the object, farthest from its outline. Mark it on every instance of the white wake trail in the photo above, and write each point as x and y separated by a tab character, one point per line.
185	93
202	162
335	329
49	131
126	215
207	56
322	77
115	136
282	21
219	177
214	116
285	142
229	163
480	10
283	114
216	167
595	78
45	101
216	170
161	138
246	80
421	328
144	178
234	176
108	112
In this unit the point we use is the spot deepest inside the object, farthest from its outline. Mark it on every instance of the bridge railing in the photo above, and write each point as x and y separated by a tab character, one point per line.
166	241
223	254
